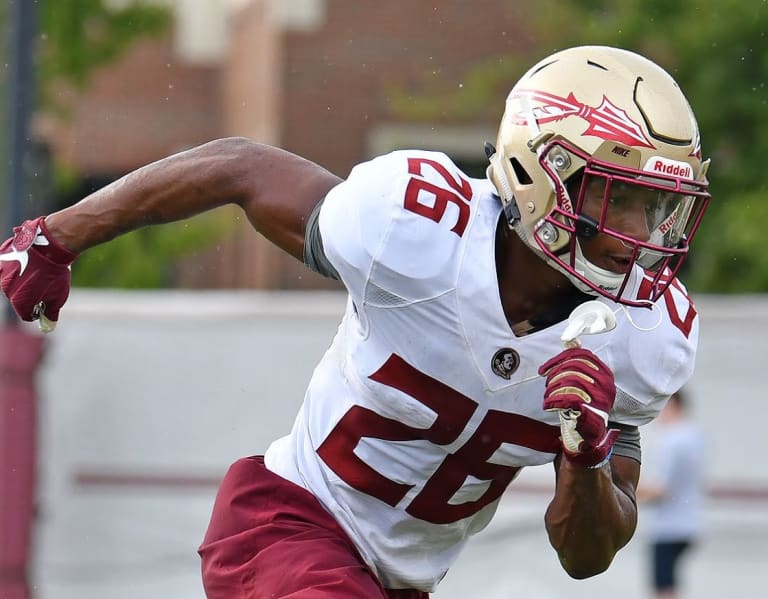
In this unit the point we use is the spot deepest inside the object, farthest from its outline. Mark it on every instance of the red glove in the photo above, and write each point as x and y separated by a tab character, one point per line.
580	387
35	273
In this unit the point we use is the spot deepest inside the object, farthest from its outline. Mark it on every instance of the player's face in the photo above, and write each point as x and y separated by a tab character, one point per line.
628	210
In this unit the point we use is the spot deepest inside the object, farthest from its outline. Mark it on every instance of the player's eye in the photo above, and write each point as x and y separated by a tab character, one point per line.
618	201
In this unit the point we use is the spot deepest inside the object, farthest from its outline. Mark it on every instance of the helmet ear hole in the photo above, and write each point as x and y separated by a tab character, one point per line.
521	174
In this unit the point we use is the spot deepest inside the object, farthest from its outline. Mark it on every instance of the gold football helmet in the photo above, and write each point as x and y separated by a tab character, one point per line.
600	122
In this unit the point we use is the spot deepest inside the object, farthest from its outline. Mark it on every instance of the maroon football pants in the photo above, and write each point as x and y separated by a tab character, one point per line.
269	538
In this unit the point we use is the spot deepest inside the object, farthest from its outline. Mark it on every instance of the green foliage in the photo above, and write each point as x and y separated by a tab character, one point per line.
76	36
144	259
743	267
432	97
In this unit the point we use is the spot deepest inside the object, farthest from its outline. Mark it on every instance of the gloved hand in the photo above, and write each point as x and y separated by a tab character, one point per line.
35	273
580	387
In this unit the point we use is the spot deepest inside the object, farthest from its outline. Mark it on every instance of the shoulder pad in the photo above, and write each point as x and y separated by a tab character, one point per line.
653	354
397	222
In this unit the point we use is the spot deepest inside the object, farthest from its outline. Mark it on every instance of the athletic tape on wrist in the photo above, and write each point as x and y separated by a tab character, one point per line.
606	459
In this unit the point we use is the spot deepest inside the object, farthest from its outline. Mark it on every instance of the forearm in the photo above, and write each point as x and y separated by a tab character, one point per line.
590	517
170	189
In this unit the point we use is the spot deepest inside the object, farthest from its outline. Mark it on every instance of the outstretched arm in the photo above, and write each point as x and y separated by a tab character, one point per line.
276	189
593	513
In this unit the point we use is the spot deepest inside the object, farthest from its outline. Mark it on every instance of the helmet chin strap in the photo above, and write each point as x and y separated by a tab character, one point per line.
605	279
583	266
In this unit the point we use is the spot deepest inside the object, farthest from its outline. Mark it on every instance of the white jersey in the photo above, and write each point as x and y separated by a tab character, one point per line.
426	405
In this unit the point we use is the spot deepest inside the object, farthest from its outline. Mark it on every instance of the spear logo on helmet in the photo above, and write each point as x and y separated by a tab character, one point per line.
606	121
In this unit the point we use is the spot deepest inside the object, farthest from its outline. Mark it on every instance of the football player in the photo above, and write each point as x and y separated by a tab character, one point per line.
448	373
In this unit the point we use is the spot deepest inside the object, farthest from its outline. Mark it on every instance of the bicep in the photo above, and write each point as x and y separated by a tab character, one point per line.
283	189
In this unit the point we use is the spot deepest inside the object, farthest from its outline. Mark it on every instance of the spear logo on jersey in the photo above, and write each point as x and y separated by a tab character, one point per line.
606	121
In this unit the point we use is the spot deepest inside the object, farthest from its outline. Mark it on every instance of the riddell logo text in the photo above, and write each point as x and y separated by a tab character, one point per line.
669	223
676	170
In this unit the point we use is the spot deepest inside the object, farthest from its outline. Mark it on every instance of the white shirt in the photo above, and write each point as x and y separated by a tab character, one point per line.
406	434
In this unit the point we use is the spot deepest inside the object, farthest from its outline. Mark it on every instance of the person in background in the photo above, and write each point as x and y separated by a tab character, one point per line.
674	491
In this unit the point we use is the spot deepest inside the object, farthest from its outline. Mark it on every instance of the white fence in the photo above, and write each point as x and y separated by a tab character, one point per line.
147	397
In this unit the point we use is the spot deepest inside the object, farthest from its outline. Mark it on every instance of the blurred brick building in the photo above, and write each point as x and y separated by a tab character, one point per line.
323	78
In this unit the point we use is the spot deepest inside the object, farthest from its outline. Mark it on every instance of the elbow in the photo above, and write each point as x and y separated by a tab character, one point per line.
584	556
237	167
580	571
587	559
238	147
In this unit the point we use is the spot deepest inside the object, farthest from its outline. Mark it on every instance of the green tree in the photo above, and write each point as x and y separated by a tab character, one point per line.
76	37
145	259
